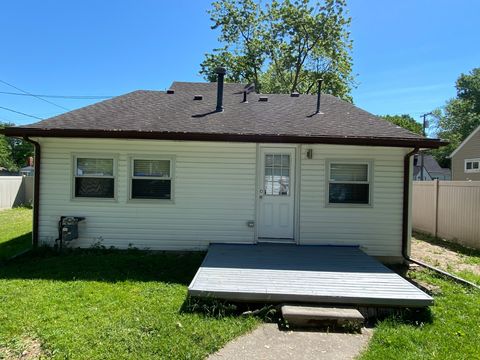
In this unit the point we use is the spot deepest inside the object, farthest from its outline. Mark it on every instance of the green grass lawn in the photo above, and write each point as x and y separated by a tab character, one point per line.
453	332
15	231
95	304
107	304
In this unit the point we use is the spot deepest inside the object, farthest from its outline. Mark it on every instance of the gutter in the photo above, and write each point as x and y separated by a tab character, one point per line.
229	137
405	218
36	191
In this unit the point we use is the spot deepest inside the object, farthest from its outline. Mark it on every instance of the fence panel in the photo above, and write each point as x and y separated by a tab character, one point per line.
423	207
448	209
11	191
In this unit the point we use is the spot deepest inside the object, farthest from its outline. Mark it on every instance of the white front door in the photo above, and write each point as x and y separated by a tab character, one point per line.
276	197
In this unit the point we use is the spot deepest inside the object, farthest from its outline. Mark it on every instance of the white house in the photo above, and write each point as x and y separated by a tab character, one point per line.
206	162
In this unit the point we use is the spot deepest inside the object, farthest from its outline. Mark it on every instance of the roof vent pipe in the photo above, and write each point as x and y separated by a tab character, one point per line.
319	95
245	97
220	75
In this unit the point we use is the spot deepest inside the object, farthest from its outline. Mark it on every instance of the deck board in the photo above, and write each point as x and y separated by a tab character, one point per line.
316	274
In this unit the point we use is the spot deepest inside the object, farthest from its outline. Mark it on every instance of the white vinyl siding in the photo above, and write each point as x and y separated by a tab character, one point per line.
214	195
376	228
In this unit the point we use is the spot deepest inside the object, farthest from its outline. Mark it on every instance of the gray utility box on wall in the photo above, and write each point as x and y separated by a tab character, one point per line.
69	227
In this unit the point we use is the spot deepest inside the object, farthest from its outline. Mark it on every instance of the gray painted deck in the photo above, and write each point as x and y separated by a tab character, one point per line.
292	273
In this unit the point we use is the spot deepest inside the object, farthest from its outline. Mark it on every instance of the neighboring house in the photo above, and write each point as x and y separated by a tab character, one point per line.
206	162
431	169
466	158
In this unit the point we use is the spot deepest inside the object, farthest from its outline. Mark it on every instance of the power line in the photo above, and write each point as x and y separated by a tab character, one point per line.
75	97
21	113
38	97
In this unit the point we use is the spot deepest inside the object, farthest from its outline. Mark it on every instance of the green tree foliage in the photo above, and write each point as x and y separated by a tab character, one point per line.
14	153
460	116
405	121
283	46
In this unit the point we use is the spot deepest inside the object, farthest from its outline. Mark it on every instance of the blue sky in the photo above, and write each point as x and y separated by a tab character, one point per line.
407	54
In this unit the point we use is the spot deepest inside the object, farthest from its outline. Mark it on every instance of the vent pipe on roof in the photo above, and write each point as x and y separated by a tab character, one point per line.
245	100
220	76
319	95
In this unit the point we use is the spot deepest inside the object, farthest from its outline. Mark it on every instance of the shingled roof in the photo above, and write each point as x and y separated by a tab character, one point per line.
177	115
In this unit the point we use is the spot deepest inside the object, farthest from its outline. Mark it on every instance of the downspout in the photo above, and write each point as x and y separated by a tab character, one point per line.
406	202
36	191
406	198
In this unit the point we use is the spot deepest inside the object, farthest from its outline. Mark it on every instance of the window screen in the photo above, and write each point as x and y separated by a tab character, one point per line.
151	179
94	178
348	184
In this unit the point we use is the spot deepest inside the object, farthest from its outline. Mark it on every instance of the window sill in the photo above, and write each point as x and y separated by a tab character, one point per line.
151	201
89	199
349	206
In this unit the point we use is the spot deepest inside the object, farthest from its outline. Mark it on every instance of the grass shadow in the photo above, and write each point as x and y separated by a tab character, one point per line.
413	316
15	246
219	308
104	265
449	245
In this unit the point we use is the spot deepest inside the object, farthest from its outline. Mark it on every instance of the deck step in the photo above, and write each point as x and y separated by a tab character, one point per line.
316	316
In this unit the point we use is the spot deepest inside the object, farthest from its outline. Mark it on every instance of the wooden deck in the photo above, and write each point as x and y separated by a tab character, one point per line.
311	274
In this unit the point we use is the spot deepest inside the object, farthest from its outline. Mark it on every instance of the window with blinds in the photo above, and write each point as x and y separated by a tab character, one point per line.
94	178
348	183
151	179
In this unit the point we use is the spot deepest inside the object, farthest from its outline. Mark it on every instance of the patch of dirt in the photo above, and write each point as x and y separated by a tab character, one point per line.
25	349
441	257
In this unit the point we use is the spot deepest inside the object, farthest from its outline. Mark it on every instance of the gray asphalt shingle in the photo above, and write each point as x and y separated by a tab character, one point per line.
282	114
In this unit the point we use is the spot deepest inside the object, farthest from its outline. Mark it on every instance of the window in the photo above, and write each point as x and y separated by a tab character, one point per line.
348	183
472	165
151	179
277	174
94	178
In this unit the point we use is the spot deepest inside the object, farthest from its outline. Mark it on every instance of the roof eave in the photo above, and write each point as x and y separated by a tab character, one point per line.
266	138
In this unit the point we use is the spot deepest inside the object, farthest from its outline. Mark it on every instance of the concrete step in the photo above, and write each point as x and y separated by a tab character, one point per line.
318	316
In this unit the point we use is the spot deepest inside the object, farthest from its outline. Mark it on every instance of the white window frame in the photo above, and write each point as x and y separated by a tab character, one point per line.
131	177
472	170
74	174
369	181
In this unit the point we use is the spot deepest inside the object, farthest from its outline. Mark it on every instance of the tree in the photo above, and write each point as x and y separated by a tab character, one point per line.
460	116
283	46
14	153
405	121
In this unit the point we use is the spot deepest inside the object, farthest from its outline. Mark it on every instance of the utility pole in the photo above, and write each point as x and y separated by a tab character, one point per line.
424	126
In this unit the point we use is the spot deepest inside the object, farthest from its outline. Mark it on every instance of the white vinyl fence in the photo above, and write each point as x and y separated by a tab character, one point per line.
448	209
15	190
